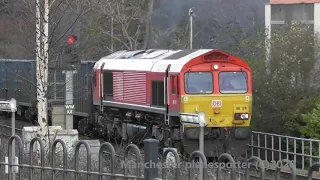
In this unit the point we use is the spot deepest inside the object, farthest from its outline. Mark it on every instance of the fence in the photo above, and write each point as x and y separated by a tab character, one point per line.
151	156
274	147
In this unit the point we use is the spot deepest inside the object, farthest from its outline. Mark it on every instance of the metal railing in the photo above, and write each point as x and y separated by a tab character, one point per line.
5	130
36	167
150	155
274	147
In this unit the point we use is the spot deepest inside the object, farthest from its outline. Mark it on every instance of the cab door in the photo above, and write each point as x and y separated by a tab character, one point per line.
174	100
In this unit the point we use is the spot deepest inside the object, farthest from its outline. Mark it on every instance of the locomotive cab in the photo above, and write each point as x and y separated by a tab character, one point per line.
220	86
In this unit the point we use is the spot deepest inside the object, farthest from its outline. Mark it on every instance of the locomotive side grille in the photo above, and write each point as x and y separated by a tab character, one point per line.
118	86
134	87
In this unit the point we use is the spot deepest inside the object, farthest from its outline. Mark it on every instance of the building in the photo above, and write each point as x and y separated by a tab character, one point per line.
280	12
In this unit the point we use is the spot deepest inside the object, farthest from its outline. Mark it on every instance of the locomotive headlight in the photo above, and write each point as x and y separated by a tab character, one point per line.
196	119
13	105
183	118
191	118
244	116
215	66
241	116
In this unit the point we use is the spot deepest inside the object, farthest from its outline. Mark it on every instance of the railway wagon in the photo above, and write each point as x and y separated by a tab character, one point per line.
18	80
158	93
82	87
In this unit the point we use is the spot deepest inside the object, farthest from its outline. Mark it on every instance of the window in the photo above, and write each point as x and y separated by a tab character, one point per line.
107	83
233	82
157	93
174	84
94	78
198	82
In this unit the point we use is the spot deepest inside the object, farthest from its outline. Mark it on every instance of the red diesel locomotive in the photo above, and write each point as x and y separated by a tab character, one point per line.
158	93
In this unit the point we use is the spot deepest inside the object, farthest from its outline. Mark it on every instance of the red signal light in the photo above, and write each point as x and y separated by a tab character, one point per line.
72	39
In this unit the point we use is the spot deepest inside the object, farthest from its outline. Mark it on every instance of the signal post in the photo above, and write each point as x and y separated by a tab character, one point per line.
70	57
69	106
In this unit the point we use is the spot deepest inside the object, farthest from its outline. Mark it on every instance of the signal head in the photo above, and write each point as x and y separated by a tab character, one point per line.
72	39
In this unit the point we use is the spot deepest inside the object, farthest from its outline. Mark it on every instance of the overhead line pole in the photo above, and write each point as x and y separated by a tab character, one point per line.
191	26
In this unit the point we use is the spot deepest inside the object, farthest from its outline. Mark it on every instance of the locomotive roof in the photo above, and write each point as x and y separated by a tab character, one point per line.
154	60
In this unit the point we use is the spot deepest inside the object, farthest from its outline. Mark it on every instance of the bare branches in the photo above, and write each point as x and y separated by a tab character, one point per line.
148	24
123	21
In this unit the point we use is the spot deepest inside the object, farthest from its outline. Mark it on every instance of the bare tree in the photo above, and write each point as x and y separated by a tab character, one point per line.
117	24
43	43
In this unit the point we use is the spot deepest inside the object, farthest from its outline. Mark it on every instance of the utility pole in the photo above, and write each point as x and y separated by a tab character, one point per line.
191	26
202	124
196	119
11	106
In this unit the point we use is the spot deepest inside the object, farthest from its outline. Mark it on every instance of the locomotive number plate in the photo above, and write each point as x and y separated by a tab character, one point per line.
216	103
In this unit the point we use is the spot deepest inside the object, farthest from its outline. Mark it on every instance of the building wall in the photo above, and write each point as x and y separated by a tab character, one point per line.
294	1
317	17
280	12
286	13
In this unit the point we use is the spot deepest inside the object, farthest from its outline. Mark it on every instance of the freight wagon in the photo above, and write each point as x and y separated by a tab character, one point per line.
18	80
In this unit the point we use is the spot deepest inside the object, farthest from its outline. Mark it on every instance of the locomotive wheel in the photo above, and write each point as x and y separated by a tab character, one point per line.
106	136
95	132
83	127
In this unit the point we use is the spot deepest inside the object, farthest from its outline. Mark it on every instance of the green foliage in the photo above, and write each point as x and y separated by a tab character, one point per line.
286	95
295	120
312	124
304	122
282	82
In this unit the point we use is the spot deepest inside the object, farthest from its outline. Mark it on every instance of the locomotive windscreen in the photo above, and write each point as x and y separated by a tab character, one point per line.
233	82
198	82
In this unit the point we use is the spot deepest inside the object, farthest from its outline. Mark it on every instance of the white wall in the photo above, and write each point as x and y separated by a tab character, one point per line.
267	21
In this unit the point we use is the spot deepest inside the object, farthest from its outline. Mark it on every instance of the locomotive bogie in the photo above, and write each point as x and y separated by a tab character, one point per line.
217	141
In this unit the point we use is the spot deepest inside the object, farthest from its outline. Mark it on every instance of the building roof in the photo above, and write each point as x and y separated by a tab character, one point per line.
294	1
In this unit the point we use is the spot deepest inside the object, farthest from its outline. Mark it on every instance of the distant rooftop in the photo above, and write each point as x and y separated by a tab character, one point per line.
294	1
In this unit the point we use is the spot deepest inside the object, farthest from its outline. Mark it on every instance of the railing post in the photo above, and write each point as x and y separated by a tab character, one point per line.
151	158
